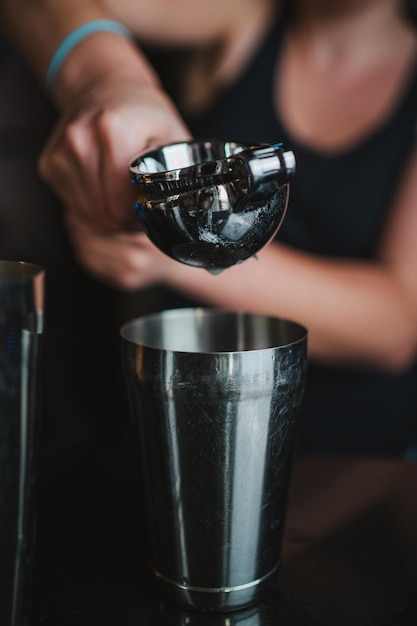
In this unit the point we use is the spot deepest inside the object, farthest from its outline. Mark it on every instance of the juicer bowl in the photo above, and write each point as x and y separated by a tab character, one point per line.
198	202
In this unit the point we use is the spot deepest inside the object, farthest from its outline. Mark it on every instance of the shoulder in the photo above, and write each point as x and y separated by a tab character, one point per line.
187	22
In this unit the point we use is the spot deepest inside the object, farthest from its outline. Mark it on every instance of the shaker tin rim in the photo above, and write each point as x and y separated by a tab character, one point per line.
299	331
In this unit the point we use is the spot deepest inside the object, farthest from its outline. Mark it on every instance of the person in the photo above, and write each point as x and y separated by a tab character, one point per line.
335	81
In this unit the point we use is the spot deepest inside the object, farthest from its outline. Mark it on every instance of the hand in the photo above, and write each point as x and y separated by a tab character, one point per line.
126	260
100	131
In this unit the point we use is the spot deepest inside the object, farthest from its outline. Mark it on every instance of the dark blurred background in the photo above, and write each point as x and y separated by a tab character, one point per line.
85	429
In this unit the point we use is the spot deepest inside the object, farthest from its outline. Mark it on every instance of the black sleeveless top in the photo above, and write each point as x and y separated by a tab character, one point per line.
337	207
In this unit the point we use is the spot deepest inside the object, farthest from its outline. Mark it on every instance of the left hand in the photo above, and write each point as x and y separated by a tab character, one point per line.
126	260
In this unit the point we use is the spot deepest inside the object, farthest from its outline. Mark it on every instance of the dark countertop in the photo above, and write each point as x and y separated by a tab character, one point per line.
349	554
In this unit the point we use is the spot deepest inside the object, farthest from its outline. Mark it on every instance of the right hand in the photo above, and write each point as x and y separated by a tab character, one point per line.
100	131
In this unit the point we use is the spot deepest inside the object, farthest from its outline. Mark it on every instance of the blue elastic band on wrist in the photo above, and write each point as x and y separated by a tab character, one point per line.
74	39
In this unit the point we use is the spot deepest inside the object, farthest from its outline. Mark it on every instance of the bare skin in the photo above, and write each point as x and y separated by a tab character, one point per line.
342	69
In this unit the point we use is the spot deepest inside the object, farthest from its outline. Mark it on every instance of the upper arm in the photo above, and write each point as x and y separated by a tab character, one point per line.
398	245
181	21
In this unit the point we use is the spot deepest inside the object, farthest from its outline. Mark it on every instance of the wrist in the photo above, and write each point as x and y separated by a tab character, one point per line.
186	279
96	57
74	38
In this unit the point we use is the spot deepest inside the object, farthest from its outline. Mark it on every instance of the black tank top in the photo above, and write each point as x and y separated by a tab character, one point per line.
337	207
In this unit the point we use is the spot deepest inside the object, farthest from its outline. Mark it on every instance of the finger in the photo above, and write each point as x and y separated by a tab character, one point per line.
122	267
70	164
120	260
118	145
123	137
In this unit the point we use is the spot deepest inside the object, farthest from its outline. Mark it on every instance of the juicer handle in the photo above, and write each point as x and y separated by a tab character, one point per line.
269	163
256	169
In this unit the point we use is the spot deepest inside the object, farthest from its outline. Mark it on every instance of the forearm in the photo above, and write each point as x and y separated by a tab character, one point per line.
354	312
37	28
47	23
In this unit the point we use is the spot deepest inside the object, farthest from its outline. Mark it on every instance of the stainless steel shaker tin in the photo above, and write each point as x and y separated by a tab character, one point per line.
21	327
214	397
